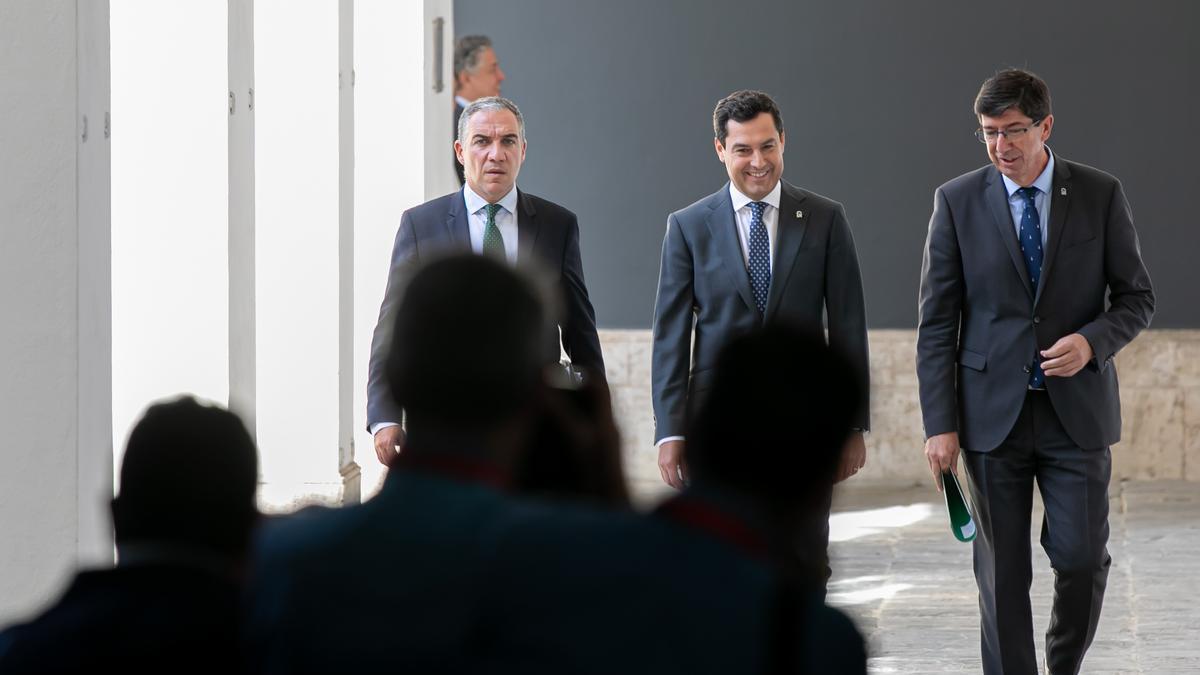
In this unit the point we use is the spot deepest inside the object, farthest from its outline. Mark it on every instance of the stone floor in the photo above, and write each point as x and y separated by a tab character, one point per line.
907	582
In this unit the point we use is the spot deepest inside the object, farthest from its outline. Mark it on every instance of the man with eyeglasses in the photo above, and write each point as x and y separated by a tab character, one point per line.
1015	346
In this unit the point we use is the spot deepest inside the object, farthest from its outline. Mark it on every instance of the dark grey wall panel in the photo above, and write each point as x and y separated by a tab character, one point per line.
876	96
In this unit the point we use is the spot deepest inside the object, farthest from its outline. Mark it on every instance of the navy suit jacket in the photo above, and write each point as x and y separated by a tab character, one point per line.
547	234
705	300
390	585
981	321
137	618
573	590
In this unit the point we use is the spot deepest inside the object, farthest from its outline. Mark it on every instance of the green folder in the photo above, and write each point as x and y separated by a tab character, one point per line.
962	523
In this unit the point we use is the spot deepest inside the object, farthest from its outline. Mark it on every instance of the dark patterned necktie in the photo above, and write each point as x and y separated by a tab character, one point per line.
760	256
1031	252
493	243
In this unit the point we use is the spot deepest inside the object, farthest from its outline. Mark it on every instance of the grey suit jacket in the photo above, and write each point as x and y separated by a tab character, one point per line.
546	233
981	321
704	296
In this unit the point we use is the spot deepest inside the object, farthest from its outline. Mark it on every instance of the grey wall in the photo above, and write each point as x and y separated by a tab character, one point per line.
876	97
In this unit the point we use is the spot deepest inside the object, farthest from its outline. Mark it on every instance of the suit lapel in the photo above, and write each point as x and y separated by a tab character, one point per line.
997	200
456	222
722	227
1058	199
793	223
527	226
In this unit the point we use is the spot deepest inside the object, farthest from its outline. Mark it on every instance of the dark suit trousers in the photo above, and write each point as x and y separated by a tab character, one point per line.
1074	485
809	564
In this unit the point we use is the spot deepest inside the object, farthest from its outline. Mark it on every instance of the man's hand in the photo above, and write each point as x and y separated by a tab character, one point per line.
671	464
1067	356
854	457
942	453
386	441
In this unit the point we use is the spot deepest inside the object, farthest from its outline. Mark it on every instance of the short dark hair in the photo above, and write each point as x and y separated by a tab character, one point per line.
742	106
467	51
1014	88
467	343
774	421
189	476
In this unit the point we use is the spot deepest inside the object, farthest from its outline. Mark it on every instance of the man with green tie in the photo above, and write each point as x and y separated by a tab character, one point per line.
490	216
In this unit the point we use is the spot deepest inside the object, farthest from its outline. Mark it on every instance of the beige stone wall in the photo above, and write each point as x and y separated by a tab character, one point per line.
1160	398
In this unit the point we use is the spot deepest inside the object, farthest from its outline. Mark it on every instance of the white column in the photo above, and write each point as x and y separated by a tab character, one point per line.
94	471
296	225
242	318
55	402
347	465
169	204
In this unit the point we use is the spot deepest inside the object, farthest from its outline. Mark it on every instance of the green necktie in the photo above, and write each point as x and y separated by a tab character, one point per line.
493	243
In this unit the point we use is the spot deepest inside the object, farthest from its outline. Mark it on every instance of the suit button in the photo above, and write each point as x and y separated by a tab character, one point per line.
1037	319
1027	369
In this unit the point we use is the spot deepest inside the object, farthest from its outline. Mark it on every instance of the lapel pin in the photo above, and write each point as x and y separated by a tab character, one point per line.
799	214
1062	191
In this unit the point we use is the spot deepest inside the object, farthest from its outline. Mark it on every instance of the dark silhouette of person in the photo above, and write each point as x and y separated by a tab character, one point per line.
182	522
394	584
764	452
707	584
575	451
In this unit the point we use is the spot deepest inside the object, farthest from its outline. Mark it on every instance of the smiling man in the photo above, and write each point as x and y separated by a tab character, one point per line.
1032	280
489	216
757	251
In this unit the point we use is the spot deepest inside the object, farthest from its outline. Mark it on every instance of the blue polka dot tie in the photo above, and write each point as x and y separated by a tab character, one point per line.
760	256
1031	252
493	243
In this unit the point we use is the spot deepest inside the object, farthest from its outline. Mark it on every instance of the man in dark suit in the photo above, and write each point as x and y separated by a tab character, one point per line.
490	215
476	74
394	585
756	251
1014	356
182	523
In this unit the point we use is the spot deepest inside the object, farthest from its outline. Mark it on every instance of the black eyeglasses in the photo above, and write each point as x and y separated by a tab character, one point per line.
990	135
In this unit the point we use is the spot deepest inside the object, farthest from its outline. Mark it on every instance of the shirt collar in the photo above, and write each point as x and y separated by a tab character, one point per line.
1044	181
475	203
740	200
461	101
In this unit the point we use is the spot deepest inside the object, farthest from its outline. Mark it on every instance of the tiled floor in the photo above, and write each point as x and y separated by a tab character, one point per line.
908	582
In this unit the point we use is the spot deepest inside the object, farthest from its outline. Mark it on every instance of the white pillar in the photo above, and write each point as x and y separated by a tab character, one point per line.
296	223
55	279
347	465
242	326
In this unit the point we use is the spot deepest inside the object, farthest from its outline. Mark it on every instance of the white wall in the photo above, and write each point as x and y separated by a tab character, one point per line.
55	394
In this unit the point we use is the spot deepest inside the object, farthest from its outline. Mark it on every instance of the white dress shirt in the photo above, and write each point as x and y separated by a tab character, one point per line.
741	209
1016	203
506	221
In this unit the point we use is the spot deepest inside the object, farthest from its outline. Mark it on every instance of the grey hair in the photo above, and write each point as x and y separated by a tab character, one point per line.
467	51
490	103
